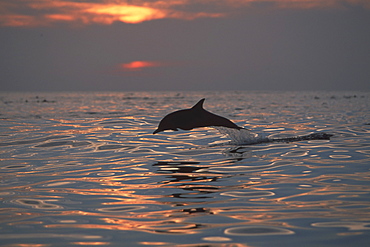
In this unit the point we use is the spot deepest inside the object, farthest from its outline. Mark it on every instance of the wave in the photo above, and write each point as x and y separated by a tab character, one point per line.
246	137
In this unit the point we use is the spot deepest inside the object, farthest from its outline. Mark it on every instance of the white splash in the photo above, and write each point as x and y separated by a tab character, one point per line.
241	136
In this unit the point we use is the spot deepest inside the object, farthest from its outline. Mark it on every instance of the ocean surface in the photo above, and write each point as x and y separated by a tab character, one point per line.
84	169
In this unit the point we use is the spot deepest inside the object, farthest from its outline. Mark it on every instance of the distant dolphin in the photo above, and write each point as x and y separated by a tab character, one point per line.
194	117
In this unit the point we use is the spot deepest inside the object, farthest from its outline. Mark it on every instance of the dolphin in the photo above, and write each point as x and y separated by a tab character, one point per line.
194	117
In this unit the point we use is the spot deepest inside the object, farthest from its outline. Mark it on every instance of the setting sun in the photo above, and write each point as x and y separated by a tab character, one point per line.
47	12
126	13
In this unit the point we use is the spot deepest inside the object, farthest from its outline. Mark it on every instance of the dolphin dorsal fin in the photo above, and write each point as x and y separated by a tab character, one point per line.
199	105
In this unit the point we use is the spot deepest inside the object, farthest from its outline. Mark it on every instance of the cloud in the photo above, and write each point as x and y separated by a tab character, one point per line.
140	65
144	68
48	12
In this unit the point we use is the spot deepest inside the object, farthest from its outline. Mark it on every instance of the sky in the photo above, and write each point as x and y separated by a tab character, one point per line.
175	45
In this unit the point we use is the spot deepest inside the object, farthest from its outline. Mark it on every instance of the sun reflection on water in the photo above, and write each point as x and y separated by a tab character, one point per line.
104	175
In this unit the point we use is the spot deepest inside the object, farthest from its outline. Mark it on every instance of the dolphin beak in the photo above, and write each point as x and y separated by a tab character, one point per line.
156	131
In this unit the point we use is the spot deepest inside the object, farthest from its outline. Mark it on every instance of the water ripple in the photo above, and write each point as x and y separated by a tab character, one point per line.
33	141
88	164
257	231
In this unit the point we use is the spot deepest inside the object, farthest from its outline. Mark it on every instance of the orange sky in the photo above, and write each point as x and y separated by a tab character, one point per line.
48	12
184	44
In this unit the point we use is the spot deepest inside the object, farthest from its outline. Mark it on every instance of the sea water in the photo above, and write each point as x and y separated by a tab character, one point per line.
84	169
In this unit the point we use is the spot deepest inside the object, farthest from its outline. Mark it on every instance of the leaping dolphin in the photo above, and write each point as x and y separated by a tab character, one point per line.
194	117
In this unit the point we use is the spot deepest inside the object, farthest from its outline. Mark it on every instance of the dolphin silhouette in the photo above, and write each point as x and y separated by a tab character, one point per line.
194	117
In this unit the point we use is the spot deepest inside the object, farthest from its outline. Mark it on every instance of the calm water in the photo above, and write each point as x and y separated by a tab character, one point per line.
83	169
